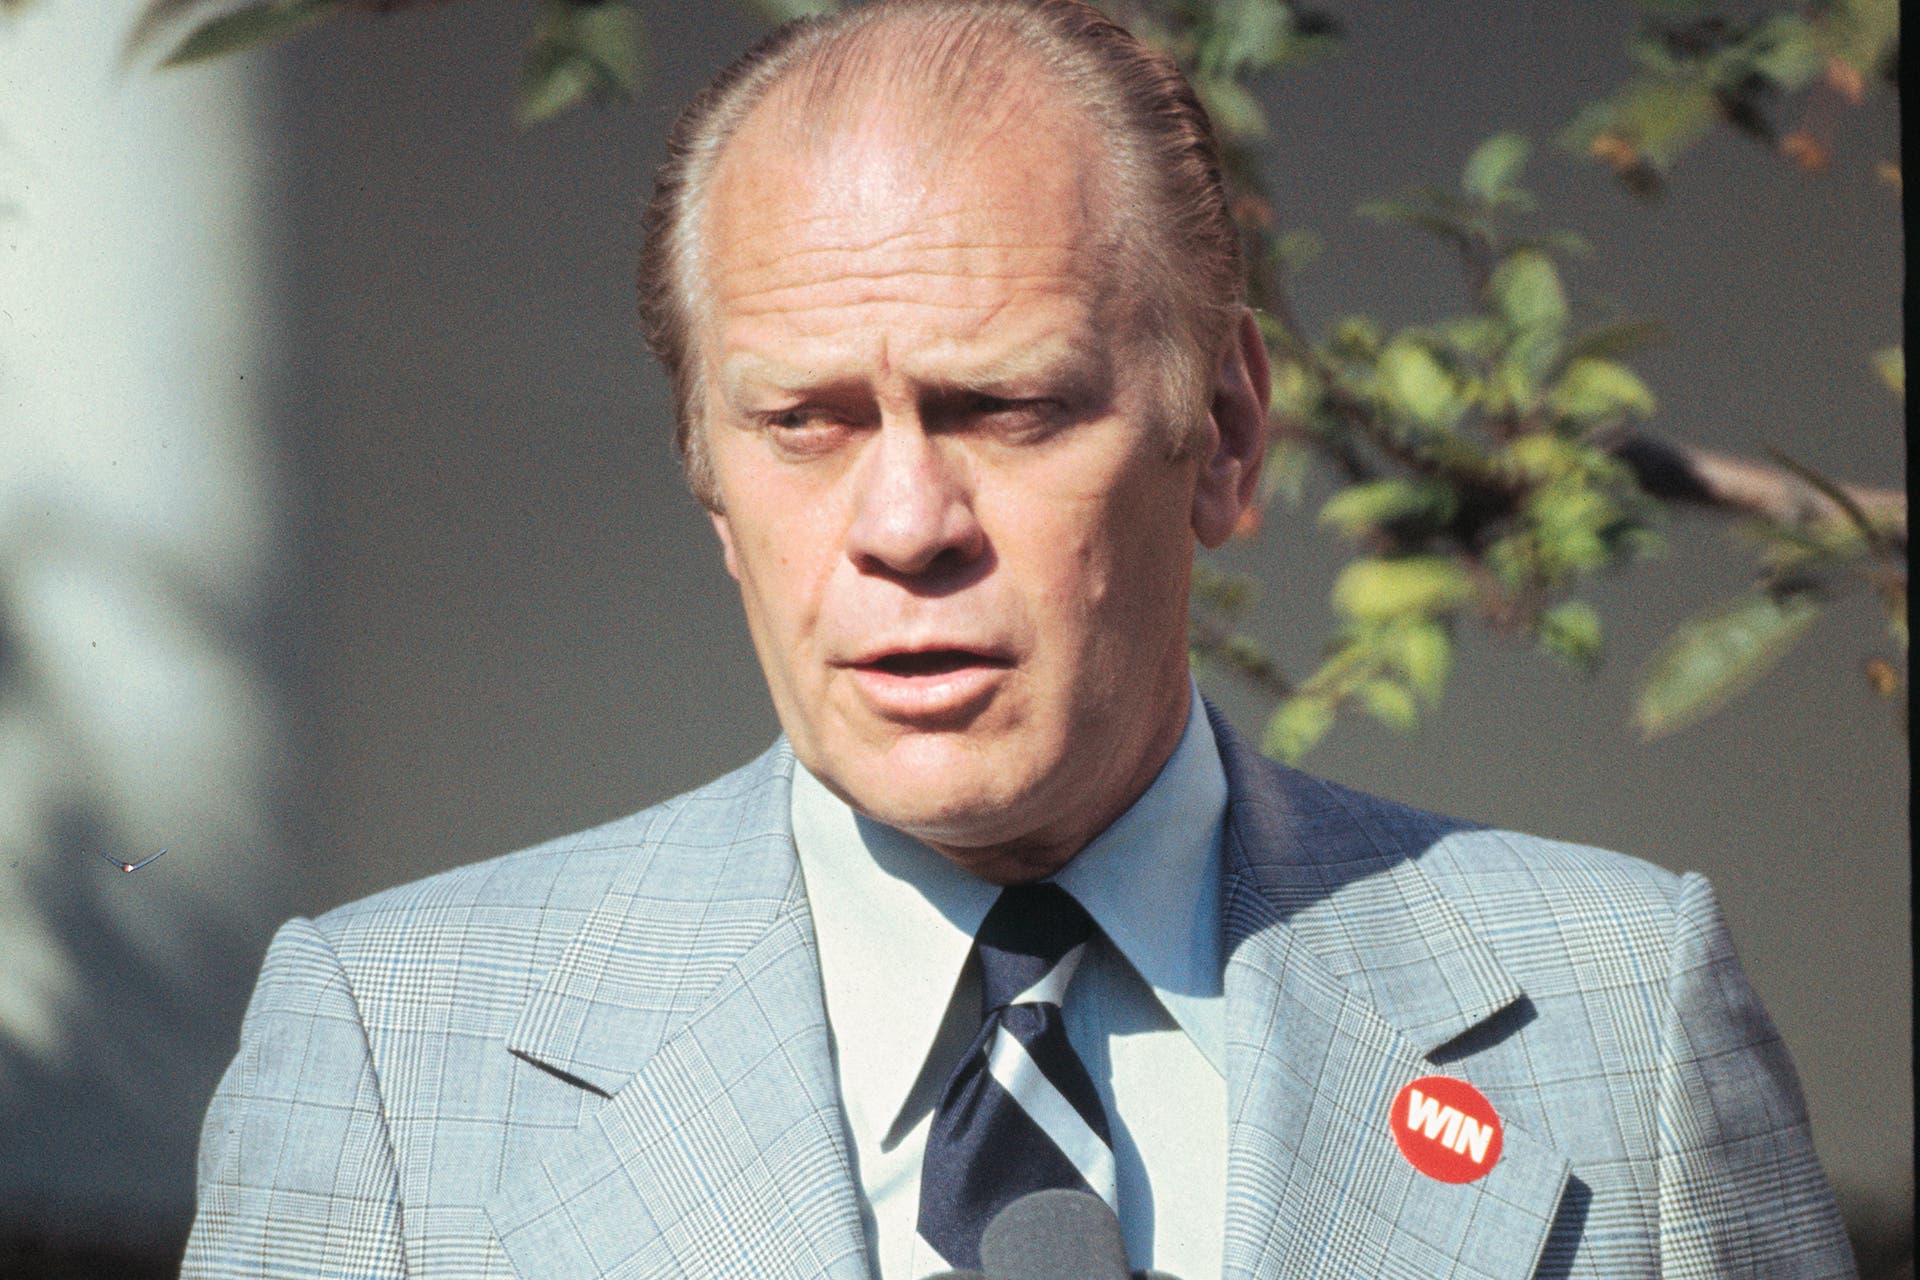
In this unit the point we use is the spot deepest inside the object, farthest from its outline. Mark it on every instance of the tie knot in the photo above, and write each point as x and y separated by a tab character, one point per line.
1029	945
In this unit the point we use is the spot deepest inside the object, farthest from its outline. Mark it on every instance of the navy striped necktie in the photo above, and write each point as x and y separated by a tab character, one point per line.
1019	1113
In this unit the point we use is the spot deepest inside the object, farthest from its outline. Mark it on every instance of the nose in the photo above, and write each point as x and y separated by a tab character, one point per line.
914	511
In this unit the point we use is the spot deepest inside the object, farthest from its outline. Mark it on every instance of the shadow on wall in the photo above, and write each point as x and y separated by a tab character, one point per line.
138	539
107	1117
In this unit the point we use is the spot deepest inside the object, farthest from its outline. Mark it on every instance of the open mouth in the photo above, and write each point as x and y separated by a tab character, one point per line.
933	662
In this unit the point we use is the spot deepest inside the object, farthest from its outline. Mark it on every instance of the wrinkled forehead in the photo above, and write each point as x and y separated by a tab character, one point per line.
908	188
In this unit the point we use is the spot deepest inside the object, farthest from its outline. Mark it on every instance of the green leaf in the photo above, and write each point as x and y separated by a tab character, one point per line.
1296	727
1234	109
1593	389
1570	519
1716	655
1494	166
1646	127
1413	382
1476	337
1860	32
1525	289
1891	364
1510	388
256	24
1663	120
1787	51
1246	35
1541	457
1571	631
1378	590
1423	653
1361	508
1390	702
580	51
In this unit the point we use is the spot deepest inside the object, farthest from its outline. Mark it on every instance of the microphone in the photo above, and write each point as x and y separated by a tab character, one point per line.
1053	1235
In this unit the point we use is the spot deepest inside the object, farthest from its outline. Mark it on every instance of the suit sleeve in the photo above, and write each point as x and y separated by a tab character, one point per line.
297	1176
1741	1190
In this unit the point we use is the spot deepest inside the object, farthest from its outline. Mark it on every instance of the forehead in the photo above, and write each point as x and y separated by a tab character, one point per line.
968	217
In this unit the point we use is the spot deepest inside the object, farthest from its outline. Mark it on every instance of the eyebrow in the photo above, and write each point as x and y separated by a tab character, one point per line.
1079	366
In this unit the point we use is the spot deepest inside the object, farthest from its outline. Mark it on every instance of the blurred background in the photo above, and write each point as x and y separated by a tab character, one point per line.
341	538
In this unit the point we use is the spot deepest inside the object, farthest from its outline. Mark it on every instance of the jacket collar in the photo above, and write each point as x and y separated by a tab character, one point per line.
691	1000
1340	871
1323	1037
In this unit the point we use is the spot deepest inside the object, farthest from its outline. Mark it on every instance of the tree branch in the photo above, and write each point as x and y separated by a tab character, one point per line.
1677	472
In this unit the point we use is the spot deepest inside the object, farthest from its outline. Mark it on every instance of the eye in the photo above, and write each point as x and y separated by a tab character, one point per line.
803	429
794	419
1019	417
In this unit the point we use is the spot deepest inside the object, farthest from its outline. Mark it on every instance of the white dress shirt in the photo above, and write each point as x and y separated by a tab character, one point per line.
895	923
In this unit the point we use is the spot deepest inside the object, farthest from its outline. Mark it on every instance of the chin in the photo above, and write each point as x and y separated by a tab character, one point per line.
947	795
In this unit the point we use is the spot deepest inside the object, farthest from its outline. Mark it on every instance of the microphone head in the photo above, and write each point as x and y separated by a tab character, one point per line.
1055	1235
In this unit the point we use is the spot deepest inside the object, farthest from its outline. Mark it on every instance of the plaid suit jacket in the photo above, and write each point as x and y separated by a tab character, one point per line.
609	1056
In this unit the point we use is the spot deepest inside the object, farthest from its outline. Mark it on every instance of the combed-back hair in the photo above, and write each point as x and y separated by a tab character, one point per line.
1179	273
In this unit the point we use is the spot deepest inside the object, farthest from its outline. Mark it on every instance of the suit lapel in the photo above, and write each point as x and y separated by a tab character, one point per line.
691	1001
1346	969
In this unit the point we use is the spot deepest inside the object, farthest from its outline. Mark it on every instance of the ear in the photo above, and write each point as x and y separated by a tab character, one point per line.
725	532
1235	443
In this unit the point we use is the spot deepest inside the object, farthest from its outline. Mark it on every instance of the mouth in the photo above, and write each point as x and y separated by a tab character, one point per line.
933	688
931	662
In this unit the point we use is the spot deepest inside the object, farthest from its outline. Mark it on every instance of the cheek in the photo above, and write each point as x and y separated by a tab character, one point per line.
1135	564
1108	573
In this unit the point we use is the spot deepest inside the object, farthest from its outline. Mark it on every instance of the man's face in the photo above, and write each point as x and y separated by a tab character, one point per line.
961	542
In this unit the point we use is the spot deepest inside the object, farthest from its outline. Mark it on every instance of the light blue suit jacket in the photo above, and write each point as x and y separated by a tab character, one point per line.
608	1056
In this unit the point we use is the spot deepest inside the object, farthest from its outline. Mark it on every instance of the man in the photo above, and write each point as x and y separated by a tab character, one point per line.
951	304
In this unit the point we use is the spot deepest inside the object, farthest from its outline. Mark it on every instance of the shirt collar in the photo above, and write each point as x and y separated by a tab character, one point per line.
1151	881
896	926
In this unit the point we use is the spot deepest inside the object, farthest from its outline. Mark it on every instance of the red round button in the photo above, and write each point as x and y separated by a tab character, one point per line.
1446	1128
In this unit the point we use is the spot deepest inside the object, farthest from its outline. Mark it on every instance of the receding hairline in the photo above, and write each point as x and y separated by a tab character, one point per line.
878	83
935	61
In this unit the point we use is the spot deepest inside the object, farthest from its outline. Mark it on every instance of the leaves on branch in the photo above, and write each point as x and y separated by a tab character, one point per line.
1571	631
1593	391
246	28
1297	725
581	51
1365	508
1381	590
1701	69
1477	480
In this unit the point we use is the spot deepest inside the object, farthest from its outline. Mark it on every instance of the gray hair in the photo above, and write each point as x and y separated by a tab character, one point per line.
1184	281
